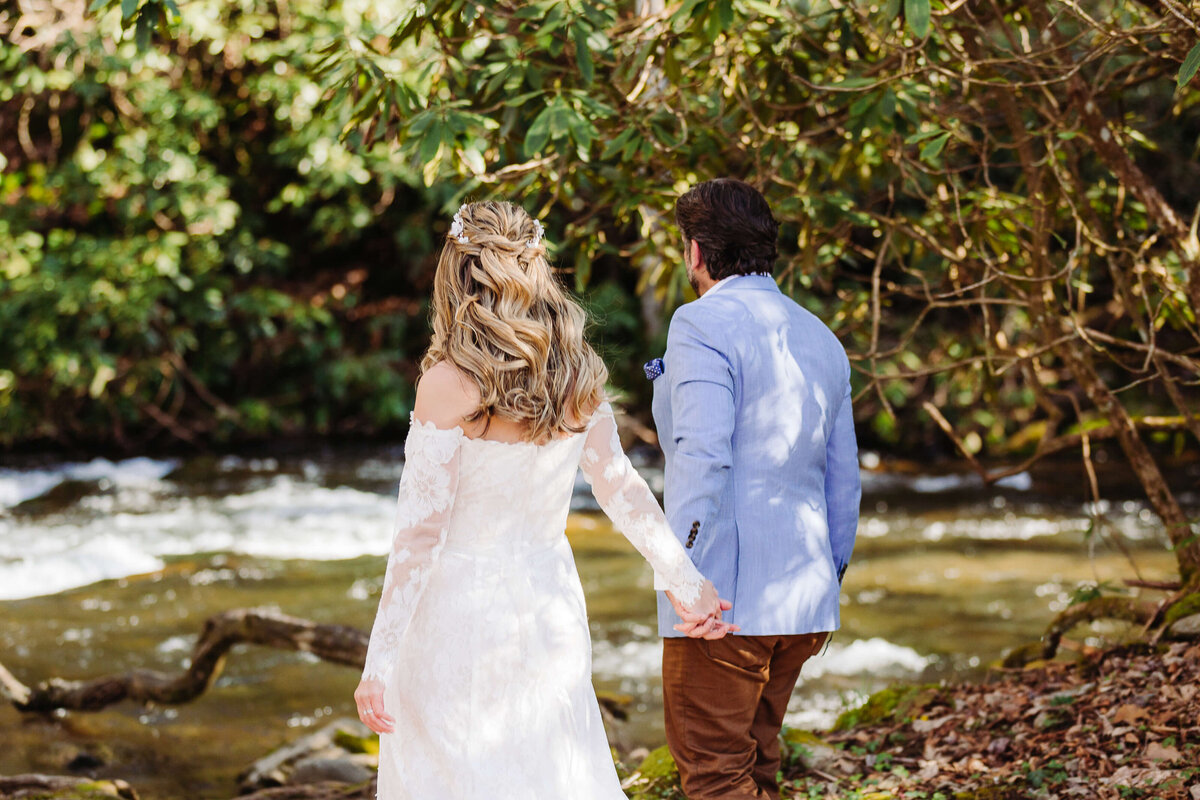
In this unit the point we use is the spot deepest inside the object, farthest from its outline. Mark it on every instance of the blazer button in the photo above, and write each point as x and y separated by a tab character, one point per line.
691	540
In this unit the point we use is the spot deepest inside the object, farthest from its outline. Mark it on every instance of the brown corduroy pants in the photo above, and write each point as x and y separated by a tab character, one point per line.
724	703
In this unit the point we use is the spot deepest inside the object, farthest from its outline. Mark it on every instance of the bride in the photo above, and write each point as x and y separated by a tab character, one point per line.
478	671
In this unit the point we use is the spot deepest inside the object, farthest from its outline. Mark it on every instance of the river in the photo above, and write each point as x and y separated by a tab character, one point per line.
111	566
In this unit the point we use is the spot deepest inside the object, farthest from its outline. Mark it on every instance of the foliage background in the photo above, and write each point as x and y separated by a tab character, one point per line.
219	219
187	249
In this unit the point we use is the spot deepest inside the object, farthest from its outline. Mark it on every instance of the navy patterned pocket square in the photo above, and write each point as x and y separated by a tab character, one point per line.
653	368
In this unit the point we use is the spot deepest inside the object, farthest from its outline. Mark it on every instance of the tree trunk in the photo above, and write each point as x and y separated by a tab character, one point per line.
1162	500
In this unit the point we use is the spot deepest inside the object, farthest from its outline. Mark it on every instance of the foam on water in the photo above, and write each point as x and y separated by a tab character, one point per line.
128	531
873	657
74	562
17	486
818	711
878	482
133	516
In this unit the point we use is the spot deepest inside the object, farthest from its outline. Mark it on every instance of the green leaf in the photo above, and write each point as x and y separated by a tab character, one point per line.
96	5
725	14
431	142
933	148
614	145
923	135
583	56
538	133
562	118
766	9
521	99
683	16
127	9
554	20
582	131
411	29
860	106
1190	64
917	13
670	66
145	26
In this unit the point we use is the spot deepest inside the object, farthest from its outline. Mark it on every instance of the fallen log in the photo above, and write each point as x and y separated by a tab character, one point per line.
339	644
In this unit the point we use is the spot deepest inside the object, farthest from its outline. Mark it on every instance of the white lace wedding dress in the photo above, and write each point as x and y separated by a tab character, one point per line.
481	637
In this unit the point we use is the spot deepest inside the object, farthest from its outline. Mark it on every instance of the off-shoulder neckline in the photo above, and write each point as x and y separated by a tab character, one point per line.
458	431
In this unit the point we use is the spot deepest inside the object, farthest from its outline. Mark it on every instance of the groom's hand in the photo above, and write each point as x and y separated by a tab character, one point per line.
709	629
697	624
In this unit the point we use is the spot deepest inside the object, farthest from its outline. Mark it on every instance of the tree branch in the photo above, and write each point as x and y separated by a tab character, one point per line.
339	644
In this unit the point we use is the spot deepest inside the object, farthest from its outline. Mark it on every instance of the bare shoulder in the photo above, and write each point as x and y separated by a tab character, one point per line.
446	396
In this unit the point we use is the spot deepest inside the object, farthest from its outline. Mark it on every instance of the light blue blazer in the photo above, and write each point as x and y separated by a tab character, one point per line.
754	418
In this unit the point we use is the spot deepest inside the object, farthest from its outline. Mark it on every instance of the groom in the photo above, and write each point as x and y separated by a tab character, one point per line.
752	404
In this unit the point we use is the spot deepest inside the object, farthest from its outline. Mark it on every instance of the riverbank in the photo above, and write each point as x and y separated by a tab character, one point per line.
1117	724
108	567
1112	725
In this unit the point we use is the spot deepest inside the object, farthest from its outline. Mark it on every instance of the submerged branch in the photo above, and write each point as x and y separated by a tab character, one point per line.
339	644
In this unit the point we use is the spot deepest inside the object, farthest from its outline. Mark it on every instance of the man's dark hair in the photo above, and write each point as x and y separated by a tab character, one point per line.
732	223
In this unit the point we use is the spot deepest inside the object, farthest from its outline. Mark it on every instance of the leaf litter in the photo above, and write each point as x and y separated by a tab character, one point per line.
1121	723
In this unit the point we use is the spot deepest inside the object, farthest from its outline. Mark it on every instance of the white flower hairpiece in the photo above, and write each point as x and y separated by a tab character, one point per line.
456	226
537	237
457	231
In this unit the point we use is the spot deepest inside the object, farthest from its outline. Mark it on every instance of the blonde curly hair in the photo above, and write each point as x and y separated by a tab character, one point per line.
502	318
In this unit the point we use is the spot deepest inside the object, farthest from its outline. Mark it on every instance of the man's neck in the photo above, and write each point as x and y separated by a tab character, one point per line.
703	283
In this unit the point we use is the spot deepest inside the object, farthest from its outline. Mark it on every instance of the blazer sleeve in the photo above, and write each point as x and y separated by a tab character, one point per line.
700	381
843	486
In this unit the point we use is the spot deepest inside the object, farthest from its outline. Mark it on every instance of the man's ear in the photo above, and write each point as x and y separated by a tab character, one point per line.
697	256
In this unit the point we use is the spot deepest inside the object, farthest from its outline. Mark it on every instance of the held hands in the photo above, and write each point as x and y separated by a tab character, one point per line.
369	699
703	619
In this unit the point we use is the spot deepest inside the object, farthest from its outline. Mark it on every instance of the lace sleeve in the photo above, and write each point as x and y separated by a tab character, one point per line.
630	504
426	499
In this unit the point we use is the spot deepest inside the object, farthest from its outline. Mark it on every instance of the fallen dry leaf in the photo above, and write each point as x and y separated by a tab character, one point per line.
1129	713
927	725
1158	752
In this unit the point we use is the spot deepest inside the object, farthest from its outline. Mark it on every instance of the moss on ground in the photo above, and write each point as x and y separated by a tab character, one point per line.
352	743
1186	607
659	777
94	790
896	702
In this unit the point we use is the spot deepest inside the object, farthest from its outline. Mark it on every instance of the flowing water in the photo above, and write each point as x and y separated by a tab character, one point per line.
107	567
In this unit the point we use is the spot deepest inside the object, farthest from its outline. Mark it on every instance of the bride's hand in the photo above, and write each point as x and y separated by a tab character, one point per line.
369	699
703	618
